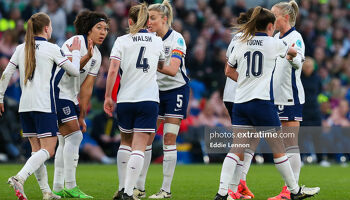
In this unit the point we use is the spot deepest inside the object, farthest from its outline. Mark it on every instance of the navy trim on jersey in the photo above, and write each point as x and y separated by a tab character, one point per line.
287	33
167	34
53	106
143	31
260	34
295	88
57	80
183	74
86	41
272	98
39	38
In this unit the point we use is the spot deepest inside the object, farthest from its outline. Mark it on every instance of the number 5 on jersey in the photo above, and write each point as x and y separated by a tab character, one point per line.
142	63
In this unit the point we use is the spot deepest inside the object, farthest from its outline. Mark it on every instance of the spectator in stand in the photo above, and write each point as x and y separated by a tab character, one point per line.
8	43
57	16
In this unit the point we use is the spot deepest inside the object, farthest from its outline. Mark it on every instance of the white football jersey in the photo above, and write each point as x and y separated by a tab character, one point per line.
255	62
39	92
287	86
69	87
139	55
230	85
174	46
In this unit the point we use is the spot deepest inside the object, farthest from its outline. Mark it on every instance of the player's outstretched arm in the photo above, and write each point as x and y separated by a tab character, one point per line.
4	81
108	106
72	68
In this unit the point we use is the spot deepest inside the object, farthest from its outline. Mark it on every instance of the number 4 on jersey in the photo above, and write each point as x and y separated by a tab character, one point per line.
142	63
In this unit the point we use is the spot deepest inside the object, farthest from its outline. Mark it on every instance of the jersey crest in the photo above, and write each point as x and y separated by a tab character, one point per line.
93	62
167	51
66	110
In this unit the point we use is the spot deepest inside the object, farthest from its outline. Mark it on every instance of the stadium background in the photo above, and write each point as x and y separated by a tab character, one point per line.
206	27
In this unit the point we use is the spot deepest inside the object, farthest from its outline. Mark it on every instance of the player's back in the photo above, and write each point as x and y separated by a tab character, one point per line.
139	55
255	60
38	93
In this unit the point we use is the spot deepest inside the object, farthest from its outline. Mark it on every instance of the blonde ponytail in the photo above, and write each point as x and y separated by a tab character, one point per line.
35	26
164	8
139	15
29	52
294	16
169	12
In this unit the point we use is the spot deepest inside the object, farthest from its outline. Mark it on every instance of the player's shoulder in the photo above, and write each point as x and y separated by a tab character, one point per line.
20	47
123	39
296	36
178	39
176	35
52	47
97	53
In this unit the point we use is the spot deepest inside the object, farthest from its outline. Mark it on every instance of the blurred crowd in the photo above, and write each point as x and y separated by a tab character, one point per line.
206	26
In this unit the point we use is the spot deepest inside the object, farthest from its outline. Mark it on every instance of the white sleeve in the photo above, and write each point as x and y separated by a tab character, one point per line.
61	60
232	61
179	48
282	48
65	49
298	61
72	68
230	49
5	79
116	52
96	66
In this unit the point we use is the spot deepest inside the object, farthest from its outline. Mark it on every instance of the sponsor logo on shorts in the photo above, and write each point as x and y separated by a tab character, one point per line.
281	108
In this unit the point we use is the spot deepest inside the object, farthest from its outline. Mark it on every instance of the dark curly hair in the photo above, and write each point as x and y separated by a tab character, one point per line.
85	20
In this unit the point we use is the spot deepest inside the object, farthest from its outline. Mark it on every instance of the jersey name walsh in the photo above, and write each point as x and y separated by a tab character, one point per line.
140	38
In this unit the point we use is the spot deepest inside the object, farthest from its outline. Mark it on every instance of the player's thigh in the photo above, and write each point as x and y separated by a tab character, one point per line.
67	115
139	141
69	127
290	116
175	102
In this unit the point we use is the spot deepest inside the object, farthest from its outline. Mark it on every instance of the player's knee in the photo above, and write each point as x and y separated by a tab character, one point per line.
170	133
127	139
51	152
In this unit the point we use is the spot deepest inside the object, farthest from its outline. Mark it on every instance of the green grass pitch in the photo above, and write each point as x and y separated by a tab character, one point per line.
191	182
